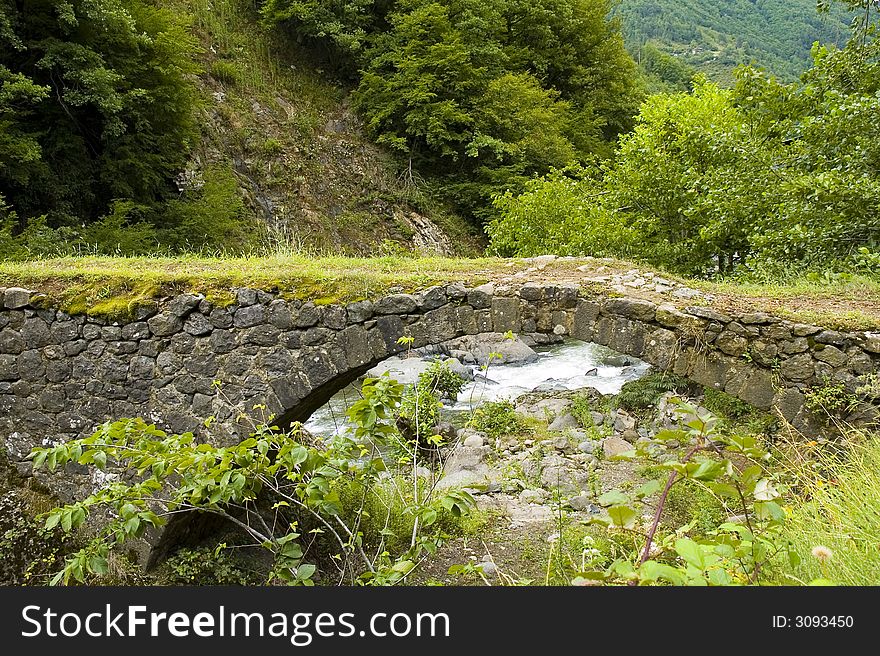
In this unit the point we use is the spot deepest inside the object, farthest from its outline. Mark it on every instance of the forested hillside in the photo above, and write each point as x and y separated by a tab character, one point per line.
715	37
186	125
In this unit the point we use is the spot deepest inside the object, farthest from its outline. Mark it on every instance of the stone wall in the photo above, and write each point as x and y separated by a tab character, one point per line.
187	360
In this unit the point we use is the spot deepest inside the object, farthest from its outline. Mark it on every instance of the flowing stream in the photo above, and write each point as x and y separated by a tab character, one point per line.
570	365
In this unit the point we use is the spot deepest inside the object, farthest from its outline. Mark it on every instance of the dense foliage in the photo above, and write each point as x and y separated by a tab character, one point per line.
96	108
285	492
484	94
717	179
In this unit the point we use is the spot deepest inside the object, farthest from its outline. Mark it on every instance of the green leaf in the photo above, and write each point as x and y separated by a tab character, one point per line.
690	551
403	566
769	510
39	458
100	459
613	498
305	571
649	488
652	571
98	565
708	470
723	489
623	516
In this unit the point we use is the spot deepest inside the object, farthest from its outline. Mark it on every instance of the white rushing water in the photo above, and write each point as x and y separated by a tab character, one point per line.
559	367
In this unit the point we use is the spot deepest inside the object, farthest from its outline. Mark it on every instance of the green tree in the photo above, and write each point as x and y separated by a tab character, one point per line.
96	104
488	94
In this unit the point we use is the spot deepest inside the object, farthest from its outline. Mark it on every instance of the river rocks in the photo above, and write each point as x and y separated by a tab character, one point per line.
614	446
466	468
588	446
564	474
546	409
538	495
477	348
563	422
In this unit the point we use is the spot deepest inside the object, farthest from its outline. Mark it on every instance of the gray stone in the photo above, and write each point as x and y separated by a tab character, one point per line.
359	311
30	366
731	344
109	333
183	304
831	337
456	291
251	315
220	318
798	367
223	341
11	342
16	297
396	304
764	352
475	441
537	496
262	335
563	422
279	315
308	315
246	297
505	314
804	330
35	333
433	298
334	317
531	291
792	346
183	343
197	324
830	354
709	313
162	325
756	318
480	298
582	503
588	446
135	331
614	446
630	308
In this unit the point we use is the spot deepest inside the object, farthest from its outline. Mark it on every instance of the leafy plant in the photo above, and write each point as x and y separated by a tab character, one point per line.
733	552
644	392
497	418
279	489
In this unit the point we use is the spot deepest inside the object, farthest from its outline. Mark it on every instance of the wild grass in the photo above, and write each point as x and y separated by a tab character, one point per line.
112	286
841	513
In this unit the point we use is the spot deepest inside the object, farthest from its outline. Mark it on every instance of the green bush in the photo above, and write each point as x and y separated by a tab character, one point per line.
644	392
206	566
226	71
441	380
829	400
497	418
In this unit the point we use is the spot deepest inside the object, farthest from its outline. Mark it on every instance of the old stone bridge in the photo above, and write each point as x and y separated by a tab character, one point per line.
60	375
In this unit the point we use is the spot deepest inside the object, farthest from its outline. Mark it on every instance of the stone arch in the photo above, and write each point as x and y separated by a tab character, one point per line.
60	375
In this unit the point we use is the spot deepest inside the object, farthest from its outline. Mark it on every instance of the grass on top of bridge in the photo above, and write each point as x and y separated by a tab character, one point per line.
114	286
